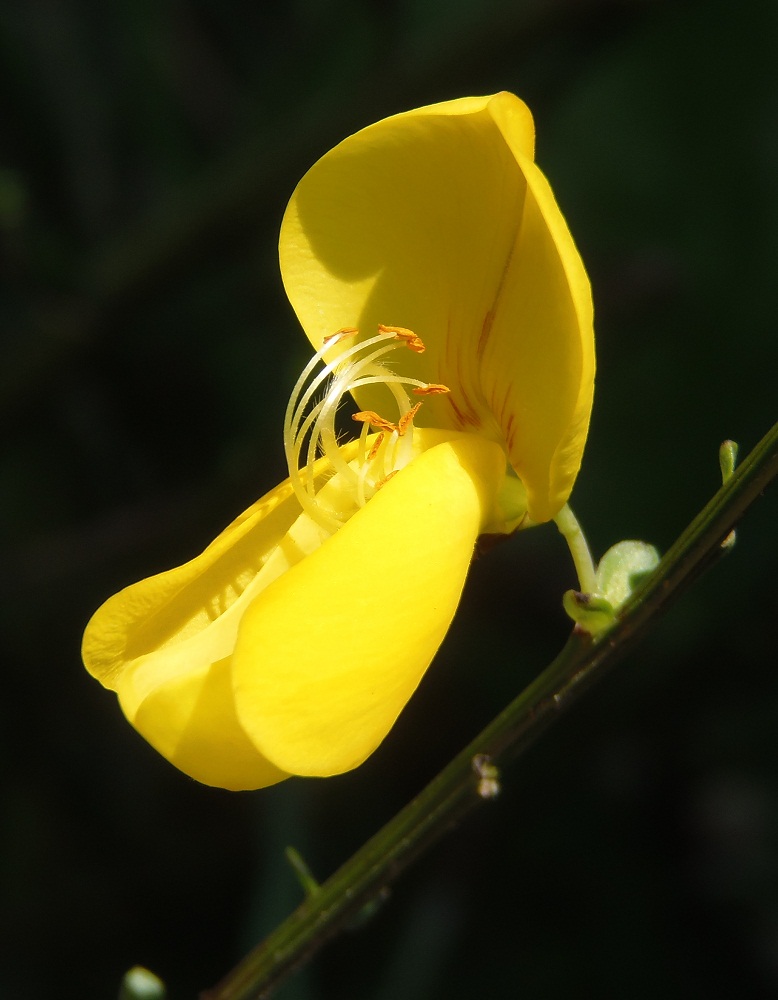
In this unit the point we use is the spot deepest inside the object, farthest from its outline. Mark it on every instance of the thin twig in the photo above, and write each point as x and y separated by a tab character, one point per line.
472	778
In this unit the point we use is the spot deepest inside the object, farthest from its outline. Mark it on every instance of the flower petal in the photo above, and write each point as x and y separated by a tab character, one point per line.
328	654
439	221
165	644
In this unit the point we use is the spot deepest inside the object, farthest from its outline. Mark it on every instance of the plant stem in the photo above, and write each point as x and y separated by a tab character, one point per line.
461	785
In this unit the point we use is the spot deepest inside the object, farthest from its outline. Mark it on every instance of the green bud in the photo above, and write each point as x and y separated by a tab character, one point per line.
140	984
727	459
727	462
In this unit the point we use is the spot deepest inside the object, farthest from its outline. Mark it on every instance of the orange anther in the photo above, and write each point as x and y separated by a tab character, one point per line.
407	336
342	334
433	389
407	419
372	418
376	446
385	480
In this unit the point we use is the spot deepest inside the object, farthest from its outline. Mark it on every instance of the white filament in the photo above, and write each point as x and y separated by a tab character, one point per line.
312	420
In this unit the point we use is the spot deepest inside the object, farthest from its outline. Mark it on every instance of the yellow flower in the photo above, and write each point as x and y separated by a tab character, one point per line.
291	644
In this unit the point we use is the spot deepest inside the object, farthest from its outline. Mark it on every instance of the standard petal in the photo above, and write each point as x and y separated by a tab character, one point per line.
536	352
165	644
438	220
328	654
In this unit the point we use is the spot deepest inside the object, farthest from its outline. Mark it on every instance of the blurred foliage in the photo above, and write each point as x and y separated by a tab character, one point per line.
148	150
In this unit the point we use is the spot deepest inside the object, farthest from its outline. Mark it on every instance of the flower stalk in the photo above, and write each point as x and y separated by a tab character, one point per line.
458	788
571	531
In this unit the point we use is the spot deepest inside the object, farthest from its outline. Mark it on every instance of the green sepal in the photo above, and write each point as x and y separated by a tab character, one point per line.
620	571
590	612
511	505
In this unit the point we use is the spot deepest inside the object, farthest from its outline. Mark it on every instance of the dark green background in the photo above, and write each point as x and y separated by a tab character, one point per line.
147	151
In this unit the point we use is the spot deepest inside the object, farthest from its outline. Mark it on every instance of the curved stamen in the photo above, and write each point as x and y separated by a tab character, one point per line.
313	421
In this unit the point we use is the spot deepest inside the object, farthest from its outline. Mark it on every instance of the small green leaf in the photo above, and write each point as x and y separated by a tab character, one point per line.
622	568
302	871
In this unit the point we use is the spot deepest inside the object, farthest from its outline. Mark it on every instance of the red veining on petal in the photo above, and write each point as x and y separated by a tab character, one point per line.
462	419
470	416
451	364
504	413
486	330
510	431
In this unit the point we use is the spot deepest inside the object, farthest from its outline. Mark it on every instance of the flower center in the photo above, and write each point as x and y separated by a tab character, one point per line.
309	424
